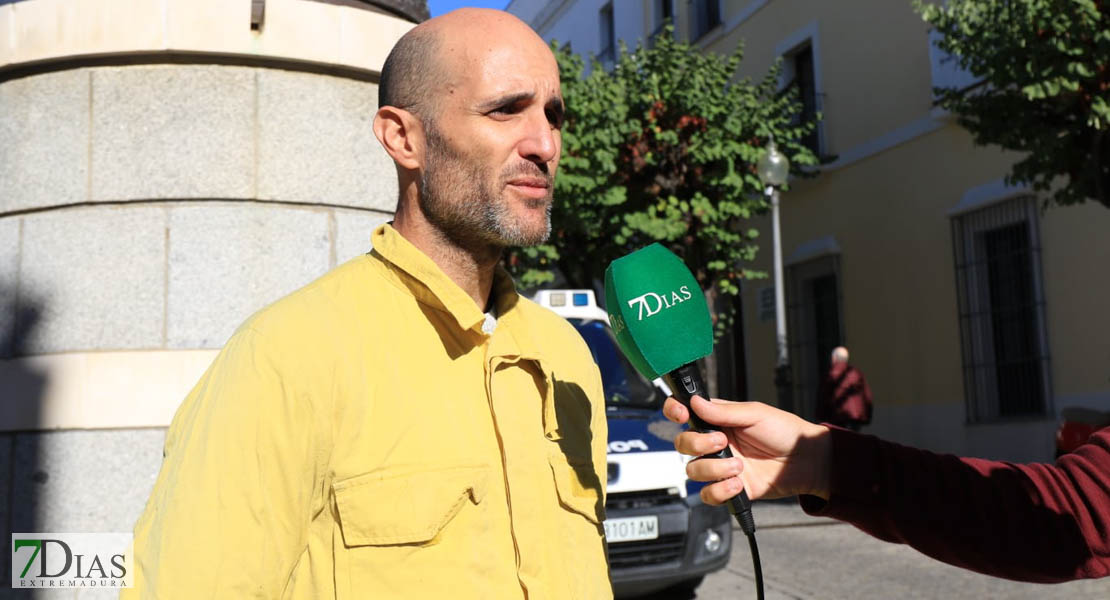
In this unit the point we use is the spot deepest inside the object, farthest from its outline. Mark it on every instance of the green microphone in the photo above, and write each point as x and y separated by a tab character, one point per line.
662	324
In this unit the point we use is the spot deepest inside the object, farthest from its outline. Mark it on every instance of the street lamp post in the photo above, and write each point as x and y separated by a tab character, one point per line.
773	169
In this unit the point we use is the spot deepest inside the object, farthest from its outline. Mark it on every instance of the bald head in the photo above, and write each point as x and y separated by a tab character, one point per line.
839	355
471	113
429	60
410	71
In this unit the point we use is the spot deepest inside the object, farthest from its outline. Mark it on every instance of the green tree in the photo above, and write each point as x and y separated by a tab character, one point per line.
662	148
1044	87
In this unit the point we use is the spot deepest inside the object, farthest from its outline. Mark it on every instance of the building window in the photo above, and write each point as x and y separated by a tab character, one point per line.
803	77
704	16
813	307
607	55
1001	309
663	13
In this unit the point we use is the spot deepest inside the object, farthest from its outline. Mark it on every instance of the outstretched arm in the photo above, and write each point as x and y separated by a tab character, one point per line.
1043	523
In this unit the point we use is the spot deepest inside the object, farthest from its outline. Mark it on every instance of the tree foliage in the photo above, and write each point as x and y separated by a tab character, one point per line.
1044	71
662	148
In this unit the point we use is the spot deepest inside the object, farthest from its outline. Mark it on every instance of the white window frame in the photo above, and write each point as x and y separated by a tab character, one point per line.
808	35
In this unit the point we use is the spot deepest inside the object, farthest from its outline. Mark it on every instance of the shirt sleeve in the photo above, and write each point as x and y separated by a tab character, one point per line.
599	426
229	513
1039	522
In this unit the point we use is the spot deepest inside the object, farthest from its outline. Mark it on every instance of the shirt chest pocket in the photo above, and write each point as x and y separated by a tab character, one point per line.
379	509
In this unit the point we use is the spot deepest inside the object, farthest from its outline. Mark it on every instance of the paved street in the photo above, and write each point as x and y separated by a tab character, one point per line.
804	557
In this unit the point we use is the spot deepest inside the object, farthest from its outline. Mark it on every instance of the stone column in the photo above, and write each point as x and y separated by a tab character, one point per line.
160	181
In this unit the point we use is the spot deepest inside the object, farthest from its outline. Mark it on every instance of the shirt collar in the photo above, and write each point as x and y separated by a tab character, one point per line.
431	286
510	341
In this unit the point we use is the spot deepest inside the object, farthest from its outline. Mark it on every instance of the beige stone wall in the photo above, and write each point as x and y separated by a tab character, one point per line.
297	30
148	209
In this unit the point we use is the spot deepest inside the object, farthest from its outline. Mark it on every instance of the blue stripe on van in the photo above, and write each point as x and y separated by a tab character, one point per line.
653	435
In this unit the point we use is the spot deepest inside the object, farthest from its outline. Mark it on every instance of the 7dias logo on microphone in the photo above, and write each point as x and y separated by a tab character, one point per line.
651	303
71	560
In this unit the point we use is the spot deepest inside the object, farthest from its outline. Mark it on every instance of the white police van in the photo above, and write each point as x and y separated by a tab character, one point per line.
660	534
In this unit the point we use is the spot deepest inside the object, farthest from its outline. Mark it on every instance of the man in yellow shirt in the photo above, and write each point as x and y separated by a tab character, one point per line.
407	426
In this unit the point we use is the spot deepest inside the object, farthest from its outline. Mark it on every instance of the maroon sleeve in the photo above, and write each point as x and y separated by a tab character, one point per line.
1038	522
867	405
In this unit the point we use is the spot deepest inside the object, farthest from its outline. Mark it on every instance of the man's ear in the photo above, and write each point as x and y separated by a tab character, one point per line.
402	136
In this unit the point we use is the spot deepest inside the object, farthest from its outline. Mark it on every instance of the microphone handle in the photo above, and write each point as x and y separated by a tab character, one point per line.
685	383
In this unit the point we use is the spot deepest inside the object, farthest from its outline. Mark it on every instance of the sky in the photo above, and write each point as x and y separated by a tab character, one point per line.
438	7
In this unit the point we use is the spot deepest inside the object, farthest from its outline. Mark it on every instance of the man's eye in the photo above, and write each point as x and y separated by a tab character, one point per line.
555	117
508	109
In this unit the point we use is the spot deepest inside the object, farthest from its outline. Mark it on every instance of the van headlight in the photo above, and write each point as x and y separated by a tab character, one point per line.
712	541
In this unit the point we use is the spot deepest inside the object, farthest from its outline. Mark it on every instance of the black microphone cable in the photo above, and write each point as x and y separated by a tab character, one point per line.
755	564
741	508
685	383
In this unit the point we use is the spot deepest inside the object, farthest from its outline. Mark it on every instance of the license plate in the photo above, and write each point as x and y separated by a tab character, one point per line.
631	529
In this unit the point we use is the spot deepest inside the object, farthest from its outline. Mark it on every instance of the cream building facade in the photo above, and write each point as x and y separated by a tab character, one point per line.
975	315
167	168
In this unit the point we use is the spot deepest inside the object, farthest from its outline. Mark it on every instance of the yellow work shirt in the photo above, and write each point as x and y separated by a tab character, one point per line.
363	438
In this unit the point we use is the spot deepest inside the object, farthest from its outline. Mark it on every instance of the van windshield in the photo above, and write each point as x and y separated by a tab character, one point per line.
623	385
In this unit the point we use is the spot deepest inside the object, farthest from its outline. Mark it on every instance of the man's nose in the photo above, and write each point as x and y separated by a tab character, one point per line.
539	143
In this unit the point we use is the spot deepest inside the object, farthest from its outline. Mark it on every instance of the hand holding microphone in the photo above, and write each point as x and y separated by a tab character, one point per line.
784	455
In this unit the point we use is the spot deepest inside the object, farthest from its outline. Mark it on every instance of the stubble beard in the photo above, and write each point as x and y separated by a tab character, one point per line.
463	201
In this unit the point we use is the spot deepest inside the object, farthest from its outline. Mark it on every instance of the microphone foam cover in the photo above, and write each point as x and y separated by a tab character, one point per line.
657	311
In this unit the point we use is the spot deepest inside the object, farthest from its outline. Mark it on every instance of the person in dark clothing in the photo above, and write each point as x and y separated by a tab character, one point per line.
844	398
1044	523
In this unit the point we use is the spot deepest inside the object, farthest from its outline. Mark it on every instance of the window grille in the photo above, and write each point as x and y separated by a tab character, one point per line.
1000	296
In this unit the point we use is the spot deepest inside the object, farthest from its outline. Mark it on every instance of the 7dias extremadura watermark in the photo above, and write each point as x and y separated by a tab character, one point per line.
71	560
